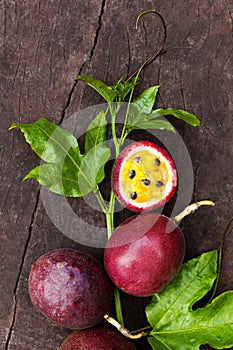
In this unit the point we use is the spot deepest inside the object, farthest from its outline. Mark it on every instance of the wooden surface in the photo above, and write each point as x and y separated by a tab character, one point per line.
44	45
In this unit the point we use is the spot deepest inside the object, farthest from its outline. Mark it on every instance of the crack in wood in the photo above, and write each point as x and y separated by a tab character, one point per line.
8	339
98	29
69	98
108	61
17	65
195	183
4	22
129	51
9	336
12	324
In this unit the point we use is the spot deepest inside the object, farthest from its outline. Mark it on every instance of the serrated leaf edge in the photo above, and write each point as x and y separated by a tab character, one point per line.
213	256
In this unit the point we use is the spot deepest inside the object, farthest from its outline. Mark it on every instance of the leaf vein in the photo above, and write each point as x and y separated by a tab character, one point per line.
183	292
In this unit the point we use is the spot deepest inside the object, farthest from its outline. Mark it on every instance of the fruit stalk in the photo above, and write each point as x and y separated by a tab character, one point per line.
190	209
122	329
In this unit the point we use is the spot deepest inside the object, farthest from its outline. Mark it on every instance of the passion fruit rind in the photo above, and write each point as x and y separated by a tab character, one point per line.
104	338
144	176
144	254
70	288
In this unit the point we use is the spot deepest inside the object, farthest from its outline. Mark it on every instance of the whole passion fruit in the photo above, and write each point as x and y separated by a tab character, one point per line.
98	338
144	176
70	288
144	253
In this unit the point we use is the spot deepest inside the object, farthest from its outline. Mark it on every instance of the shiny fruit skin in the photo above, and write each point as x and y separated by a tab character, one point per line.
70	288
144	253
99	338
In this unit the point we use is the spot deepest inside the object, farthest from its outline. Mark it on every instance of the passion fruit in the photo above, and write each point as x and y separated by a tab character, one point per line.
144	253
70	288
144	176
98	338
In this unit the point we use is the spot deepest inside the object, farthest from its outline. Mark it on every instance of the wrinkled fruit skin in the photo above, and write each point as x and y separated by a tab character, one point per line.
101	338
144	254
70	288
144	177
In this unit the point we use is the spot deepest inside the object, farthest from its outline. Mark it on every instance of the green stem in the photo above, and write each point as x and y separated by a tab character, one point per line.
119	313
109	224
114	135
110	212
110	227
113	113
124	131
100	200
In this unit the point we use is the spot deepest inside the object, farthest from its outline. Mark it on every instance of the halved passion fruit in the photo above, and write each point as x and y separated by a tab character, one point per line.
144	176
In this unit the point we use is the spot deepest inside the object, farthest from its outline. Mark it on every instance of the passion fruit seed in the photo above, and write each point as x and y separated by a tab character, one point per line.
157	162
132	173
134	195
146	182
159	183
137	159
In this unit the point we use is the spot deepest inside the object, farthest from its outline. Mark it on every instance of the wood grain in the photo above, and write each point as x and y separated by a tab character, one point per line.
44	46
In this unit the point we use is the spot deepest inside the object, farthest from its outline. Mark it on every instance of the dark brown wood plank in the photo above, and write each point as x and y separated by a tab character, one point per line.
42	50
44	45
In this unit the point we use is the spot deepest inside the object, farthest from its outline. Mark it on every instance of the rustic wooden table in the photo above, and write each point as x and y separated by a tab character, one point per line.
44	46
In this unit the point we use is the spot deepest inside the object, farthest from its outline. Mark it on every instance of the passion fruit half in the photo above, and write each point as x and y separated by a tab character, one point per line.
144	176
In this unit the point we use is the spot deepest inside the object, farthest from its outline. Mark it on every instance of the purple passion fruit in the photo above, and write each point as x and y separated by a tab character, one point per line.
70	288
144	176
144	253
101	338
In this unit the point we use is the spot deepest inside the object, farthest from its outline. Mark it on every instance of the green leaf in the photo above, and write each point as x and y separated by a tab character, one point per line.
105	91
176	325
123	88
66	171
96	132
156	344
50	142
177	113
146	100
57	180
143	123
141	120
92	168
60	150
97	154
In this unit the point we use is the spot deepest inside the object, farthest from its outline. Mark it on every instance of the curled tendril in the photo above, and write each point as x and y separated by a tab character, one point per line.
161	48
220	254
